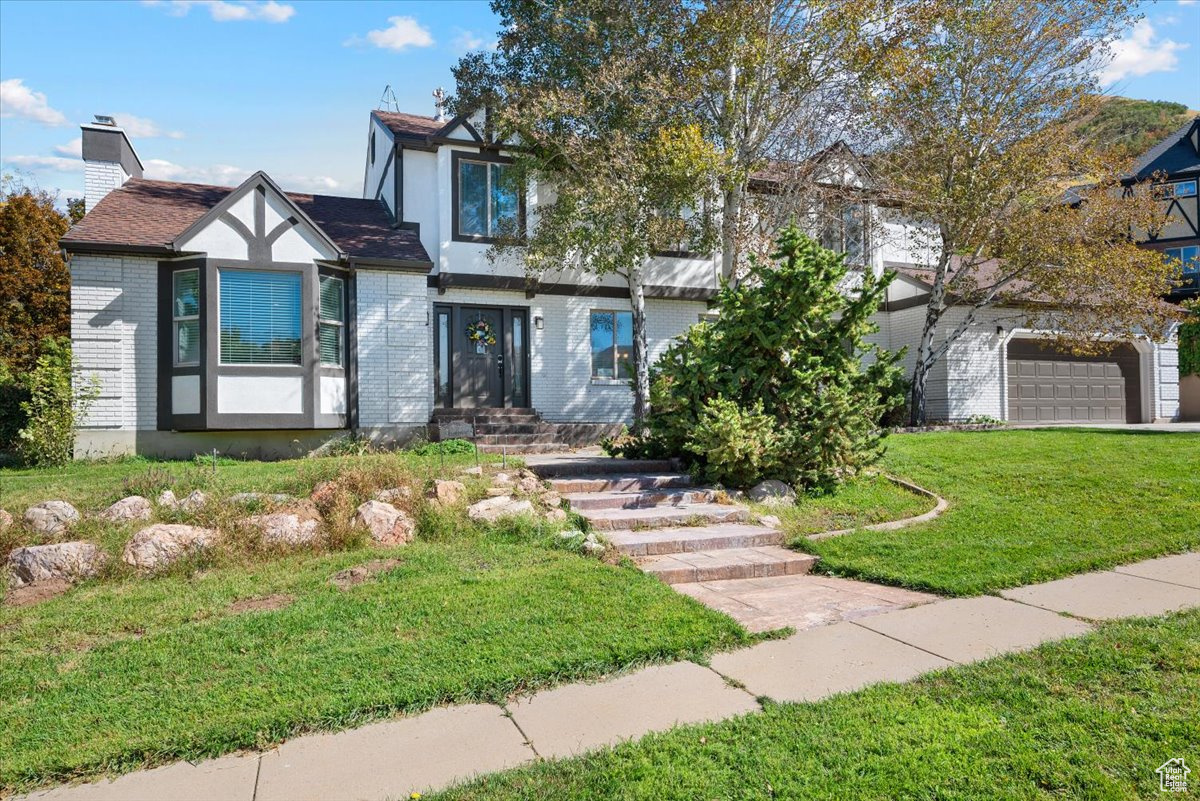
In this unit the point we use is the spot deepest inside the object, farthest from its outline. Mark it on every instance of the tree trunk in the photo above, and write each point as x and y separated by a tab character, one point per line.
926	358
731	212
641	362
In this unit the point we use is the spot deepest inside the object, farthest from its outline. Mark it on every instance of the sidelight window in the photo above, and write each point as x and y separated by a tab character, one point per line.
331	325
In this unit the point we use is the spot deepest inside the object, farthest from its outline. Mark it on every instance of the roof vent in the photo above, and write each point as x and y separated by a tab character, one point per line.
104	119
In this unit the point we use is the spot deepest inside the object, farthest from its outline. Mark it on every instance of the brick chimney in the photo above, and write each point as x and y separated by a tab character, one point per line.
108	159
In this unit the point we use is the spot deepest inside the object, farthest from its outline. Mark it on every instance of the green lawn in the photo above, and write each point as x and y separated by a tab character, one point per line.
871	499
1029	506
1085	718
128	671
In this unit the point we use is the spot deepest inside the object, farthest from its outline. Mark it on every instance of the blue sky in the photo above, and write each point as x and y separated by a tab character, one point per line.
212	91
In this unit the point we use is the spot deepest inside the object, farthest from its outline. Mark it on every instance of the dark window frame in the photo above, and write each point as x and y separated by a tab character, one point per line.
177	319
323	320
482	157
616	376
300	310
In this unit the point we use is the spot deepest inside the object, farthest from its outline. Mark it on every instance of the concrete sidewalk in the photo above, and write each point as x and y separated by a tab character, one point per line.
425	752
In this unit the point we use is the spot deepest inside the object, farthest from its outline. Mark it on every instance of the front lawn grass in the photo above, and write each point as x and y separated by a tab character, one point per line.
1028	506
863	502
123	674
1085	718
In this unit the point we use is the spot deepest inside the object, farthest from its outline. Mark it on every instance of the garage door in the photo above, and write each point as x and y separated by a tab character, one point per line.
1049	386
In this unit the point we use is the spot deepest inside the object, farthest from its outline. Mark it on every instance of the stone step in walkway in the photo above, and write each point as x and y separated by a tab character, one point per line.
638	498
430	751
686	539
658	516
726	564
620	483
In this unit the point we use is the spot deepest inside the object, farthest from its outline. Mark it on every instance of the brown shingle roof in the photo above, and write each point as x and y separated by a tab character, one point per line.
409	126
151	214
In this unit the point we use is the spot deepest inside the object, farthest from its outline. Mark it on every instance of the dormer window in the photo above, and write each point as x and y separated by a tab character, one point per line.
486	204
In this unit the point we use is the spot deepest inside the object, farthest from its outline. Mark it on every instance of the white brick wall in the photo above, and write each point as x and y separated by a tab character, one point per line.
395	347
100	178
561	386
113	311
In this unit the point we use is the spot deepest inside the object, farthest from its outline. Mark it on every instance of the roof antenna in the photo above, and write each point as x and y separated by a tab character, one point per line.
387	101
439	102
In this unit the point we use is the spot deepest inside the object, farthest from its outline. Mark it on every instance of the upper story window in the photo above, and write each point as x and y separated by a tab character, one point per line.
845	231
1190	256
185	317
260	317
486	205
612	345
1176	189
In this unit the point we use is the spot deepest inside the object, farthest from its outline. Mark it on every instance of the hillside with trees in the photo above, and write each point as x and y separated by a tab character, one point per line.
1127	127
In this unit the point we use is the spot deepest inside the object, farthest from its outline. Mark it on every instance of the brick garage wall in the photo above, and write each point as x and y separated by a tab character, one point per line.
113	313
1166	370
561	385
395	349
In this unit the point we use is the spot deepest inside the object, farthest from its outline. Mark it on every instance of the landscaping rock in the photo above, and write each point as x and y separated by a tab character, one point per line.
193	501
473	471
502	480
135	507
6	521
496	492
51	517
387	524
324	492
772	491
556	515
352	576
167	499
493	509
592	546
448	493
550	498
162	544
394	494
298	525
529	484
770	521
65	561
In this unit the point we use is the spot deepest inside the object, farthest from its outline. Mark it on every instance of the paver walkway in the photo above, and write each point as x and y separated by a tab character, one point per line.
849	634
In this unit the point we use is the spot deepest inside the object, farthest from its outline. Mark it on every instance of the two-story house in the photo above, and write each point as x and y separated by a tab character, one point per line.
263	322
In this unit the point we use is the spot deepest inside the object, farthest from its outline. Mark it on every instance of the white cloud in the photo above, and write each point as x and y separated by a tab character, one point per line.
1186	2
1140	53
403	33
466	41
141	127
229	175
72	148
224	11
18	100
58	163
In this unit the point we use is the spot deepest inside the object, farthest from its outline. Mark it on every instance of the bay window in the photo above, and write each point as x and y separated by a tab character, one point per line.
331	322
260	317
185	317
1189	256
612	345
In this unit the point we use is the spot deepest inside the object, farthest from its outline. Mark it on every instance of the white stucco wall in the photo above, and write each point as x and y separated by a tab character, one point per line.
113	312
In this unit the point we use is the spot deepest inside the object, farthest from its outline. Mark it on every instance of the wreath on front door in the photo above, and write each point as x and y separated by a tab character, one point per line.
480	332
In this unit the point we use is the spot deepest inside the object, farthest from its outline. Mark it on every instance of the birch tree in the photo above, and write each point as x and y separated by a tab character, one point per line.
586	92
979	118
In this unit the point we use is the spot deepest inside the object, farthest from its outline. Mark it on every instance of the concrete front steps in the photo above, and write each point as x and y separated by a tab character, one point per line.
673	530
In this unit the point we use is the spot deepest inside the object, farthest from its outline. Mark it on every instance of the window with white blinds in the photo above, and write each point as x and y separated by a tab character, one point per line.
260	317
331	325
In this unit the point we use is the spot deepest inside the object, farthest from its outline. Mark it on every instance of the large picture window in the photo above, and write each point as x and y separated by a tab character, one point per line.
332	323
1189	256
612	345
185	317
260	317
488	206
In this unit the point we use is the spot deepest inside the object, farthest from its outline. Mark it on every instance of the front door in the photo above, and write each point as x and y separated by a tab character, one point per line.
479	368
481	357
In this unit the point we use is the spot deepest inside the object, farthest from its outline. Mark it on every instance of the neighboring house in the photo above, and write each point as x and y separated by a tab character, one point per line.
263	322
